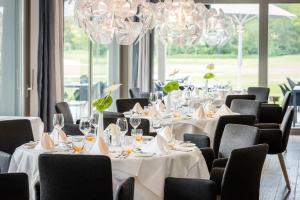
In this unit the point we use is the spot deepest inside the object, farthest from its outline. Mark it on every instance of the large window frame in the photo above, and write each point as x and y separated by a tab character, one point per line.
263	37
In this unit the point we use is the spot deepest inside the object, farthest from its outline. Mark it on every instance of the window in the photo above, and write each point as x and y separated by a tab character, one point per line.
88	67
11	64
76	64
236	63
284	47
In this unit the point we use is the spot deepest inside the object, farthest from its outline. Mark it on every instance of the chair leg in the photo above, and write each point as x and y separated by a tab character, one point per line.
284	171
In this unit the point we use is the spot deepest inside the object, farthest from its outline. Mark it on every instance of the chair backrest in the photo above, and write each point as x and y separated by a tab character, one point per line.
14	133
237	136
291	82
63	108
241	179
124	105
229	98
261	93
85	177
134	92
246	107
230	119
144	125
286	101
14	186
286	126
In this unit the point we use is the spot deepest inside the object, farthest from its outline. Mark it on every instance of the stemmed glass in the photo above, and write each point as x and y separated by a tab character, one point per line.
134	121
58	124
84	125
122	123
188	96
153	98
94	121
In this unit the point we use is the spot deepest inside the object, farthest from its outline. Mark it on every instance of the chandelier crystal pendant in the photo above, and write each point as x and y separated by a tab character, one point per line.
176	21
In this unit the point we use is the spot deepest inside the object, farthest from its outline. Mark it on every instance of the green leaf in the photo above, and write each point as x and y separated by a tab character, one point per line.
208	75
171	86
103	104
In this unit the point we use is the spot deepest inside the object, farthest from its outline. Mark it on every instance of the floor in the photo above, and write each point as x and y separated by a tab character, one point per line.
272	182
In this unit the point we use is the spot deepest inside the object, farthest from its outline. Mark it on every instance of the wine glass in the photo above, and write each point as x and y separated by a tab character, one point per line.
153	98
134	121
122	123
188	97
58	124
84	125
160	95
94	120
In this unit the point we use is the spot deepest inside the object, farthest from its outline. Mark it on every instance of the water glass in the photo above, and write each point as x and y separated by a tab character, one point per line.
153	98
127	145
84	125
78	143
135	121
137	134
58	124
122	123
94	120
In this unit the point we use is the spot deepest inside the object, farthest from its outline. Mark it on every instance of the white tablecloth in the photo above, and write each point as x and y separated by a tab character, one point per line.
149	173
36	124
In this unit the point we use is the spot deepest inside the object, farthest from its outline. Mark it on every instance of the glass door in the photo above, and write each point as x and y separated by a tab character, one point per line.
11	63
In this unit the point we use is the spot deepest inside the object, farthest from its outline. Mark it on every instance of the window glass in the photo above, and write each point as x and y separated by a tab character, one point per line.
284	47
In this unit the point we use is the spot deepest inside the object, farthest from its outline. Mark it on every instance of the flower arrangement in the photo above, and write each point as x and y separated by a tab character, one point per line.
171	86
209	75
104	103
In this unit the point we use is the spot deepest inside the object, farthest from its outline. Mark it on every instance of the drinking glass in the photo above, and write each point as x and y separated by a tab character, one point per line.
127	145
135	121
122	123
160	95
94	120
78	143
153	98
84	125
58	124
137	134
188	97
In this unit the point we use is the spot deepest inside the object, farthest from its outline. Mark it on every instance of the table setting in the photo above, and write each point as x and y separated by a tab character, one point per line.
149	159
182	117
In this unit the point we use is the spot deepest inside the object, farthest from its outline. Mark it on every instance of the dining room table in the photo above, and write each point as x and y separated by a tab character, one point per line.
149	170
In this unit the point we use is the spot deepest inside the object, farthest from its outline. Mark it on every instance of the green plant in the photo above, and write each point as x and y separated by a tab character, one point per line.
104	103
171	86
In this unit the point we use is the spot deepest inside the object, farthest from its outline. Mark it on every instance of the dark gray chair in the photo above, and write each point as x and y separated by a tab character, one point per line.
14	186
124	105
71	177
240	180
261	93
277	139
203	141
246	107
69	127
13	133
229	98
273	113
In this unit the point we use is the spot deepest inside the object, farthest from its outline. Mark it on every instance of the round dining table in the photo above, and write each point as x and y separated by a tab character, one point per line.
149	172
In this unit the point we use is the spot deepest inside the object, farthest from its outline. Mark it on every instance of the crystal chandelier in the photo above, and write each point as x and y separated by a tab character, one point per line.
176	21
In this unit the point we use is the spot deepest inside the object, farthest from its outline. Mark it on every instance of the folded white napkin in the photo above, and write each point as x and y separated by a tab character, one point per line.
158	145
114	130
199	113
63	136
100	147
160	106
138	108
224	110
46	142
210	107
166	133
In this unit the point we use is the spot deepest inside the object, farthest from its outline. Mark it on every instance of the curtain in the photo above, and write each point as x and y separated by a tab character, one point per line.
142	63
50	55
